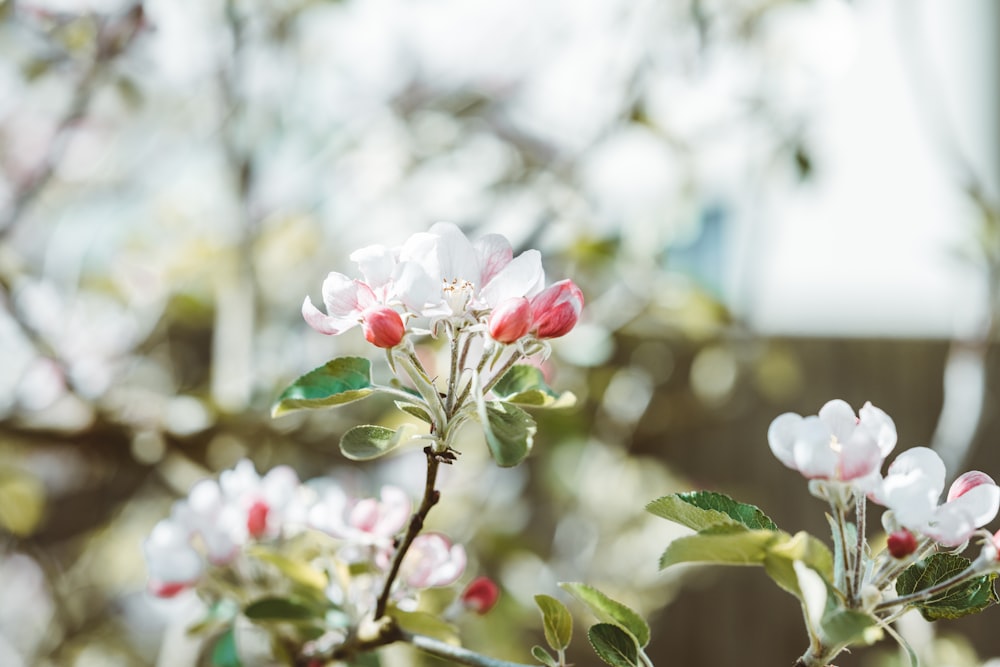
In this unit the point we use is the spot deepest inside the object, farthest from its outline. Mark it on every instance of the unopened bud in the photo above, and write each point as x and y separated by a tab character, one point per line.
480	595
556	310
383	326
510	320
901	543
257	519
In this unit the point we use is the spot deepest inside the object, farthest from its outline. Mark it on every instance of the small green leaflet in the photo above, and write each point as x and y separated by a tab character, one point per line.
699	510
544	657
556	620
224	653
337	382
363	443
610	611
509	431
525	385
278	609
613	645
969	597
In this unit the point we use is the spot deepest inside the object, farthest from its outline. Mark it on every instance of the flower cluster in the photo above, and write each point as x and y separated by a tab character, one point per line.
441	278
219	520
843	454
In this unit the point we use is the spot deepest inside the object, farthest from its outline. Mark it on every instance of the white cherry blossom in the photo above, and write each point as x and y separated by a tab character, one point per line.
836	444
913	485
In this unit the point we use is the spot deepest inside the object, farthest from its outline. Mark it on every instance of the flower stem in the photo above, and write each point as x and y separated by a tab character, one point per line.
431	497
859	546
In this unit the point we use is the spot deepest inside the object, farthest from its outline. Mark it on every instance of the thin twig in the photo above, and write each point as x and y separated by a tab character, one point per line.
431	497
456	654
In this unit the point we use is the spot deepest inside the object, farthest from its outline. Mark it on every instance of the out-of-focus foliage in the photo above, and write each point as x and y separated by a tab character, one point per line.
176	176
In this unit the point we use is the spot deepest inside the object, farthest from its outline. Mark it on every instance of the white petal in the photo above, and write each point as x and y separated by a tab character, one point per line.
376	263
345	297
839	418
781	436
493	252
523	276
980	504
421	249
456	256
859	458
880	426
322	322
415	288
921	460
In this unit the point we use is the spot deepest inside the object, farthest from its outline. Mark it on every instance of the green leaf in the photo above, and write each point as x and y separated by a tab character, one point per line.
425	623
969	597
525	385
557	621
414	411
804	548
846	626
699	510
509	431
613	645
296	571
544	657
729	545
337	382
278	609
610	611
224	653
363	443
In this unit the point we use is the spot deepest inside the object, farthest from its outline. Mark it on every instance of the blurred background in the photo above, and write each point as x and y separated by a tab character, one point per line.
768	204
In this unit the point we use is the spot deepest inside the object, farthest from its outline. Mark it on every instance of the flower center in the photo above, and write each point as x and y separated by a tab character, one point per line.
458	292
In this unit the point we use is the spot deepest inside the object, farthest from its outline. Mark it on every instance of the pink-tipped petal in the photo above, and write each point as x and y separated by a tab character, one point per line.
493	252
331	326
522	276
968	481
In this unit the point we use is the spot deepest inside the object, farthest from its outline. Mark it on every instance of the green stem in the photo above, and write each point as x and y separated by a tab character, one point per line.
859	546
514	358
845	583
408	360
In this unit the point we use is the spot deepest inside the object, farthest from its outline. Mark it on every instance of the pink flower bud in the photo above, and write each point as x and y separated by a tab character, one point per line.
383	326
257	519
966	482
510	320
480	595
167	590
556	310
902	543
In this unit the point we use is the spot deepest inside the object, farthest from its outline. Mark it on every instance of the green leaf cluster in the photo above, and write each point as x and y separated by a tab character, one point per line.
618	639
734	533
508	429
